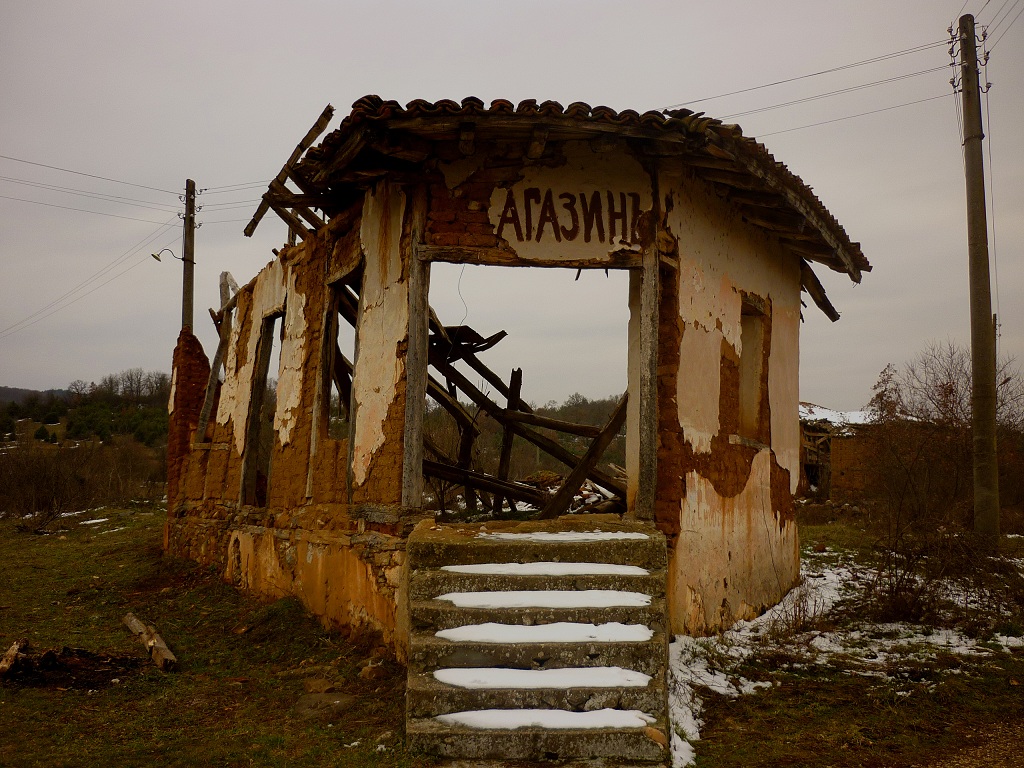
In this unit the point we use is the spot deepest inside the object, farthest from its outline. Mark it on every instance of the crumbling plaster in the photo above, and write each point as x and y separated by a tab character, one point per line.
383	325
265	297
290	373
737	547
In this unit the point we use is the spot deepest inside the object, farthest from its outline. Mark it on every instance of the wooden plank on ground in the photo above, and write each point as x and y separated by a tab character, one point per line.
149	637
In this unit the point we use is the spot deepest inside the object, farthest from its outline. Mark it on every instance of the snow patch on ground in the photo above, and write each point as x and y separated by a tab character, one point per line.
873	650
507	719
549	598
548	569
557	632
562	679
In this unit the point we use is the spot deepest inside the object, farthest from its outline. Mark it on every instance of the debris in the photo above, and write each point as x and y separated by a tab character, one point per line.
11	656
158	650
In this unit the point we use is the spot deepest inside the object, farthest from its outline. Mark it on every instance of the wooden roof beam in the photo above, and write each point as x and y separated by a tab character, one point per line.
810	283
307	141
772	182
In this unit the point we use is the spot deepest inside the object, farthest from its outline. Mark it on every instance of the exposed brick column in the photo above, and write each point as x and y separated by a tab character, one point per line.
190	373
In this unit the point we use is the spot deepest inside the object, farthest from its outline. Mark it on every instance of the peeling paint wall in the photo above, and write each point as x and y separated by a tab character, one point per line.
378	386
724	496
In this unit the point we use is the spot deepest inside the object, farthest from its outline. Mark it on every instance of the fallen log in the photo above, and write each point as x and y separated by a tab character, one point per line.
148	636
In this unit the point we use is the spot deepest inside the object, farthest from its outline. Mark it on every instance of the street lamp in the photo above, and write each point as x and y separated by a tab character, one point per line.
186	293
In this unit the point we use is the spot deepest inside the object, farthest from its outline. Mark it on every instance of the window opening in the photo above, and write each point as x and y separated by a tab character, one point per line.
340	356
752	374
260	433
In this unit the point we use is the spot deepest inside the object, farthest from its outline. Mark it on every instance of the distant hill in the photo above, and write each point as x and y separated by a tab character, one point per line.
16	395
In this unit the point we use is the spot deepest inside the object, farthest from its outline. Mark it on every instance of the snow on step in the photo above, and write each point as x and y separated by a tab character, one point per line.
560	536
557	632
586	677
548	569
549	598
556	719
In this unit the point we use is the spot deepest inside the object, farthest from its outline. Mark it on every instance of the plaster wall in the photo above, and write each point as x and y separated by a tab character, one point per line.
725	500
326	572
378	386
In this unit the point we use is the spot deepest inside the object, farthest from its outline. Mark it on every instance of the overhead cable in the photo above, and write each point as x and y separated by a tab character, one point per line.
836	92
28	320
93	195
90	175
81	210
859	114
884	57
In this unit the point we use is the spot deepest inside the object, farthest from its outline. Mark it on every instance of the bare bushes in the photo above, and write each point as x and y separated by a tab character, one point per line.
39	483
920	481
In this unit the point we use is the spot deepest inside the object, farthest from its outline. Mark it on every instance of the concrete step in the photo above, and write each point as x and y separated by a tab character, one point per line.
642	745
433	546
425	584
427	653
427	615
427	697
587	564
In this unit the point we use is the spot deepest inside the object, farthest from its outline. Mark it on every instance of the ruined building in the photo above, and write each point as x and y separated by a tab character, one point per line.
718	239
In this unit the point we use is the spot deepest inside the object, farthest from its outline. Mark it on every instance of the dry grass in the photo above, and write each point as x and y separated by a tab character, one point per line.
240	695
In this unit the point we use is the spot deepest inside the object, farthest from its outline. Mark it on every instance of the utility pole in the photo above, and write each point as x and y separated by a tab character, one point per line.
188	254
983	339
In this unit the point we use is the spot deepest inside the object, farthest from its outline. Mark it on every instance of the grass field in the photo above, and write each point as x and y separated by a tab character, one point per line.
265	685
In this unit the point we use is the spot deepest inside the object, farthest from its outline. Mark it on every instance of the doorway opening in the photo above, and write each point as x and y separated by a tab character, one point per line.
526	394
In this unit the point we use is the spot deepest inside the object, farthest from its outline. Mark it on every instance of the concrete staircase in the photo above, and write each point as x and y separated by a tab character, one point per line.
538	642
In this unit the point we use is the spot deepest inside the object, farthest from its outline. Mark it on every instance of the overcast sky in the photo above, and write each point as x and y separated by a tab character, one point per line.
153	92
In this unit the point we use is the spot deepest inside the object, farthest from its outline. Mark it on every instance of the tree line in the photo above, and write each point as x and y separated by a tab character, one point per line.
132	403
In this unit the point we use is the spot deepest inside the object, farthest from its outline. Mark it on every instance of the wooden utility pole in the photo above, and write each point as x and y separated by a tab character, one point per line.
983	341
188	254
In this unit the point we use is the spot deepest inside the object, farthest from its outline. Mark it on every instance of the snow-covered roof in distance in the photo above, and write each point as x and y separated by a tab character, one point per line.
812	412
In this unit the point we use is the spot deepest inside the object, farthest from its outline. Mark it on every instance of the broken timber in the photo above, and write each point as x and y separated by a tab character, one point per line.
158	650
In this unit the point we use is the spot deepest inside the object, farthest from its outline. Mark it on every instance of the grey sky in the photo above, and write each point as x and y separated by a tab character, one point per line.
153	92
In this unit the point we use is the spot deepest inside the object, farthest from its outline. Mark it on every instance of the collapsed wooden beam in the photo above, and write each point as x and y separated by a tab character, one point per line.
507	436
810	283
560	502
546	422
546	444
465	477
311	135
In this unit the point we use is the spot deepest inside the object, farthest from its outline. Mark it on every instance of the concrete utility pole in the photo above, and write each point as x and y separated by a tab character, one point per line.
188	254
983	340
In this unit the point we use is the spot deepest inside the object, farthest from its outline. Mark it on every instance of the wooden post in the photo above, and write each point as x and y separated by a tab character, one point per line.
188	258
983	344
508	437
416	357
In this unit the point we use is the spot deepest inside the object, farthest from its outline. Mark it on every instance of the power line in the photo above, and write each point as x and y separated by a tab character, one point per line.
1003	33
83	193
234	187
836	92
4	335
90	175
1000	17
884	57
229	205
28	320
81	210
859	114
